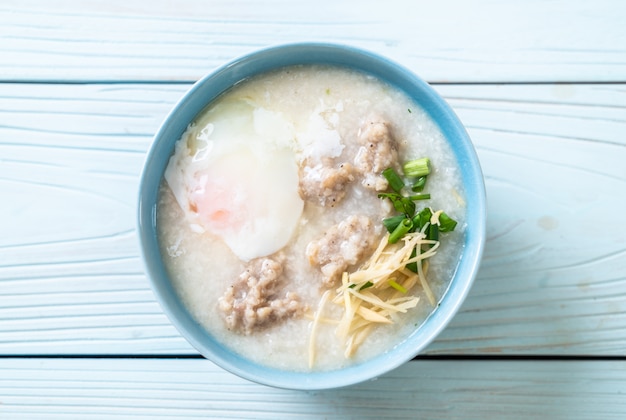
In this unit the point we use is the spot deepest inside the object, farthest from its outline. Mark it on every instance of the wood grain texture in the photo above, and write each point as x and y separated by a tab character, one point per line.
555	256
446	41
552	280
90	389
70	270
75	128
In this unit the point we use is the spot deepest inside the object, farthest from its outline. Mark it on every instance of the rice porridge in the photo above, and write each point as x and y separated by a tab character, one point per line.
270	218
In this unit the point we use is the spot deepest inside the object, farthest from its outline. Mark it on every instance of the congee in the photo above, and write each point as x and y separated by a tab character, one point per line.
311	217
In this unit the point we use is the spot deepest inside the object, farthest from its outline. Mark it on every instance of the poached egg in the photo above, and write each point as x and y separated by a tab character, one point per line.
234	174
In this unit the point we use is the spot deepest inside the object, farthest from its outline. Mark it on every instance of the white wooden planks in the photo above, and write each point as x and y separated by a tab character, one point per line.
553	278
553	161
552	281
71	275
445	41
90	389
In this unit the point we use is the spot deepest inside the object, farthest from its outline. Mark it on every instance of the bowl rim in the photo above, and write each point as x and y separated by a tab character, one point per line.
270	58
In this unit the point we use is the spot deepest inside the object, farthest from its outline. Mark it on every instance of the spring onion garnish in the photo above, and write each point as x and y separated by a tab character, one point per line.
401	203
397	286
402	229
417	197
433	232
413	265
395	182
417	168
419	184
421	218
410	220
391	223
446	223
367	285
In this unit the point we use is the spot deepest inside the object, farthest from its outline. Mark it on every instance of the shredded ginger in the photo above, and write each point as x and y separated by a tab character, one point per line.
381	289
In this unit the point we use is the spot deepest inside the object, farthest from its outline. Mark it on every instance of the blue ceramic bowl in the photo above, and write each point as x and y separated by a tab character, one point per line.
211	86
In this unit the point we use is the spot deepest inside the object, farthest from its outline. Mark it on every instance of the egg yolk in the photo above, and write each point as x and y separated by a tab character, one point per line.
254	208
235	175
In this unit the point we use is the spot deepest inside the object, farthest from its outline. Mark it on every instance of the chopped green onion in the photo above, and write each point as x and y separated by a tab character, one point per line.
409	206
416	222
409	221
419	185
420	197
446	223
398	205
397	286
401	203
395	182
366	285
421	218
402	229
417	168
392	222
433	232
413	266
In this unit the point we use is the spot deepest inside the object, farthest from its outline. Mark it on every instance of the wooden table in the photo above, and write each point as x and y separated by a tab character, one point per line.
541	87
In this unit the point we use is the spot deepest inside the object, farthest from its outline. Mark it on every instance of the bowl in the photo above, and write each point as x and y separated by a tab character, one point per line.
223	78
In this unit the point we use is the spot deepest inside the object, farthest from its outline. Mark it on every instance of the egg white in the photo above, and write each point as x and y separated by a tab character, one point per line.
234	174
